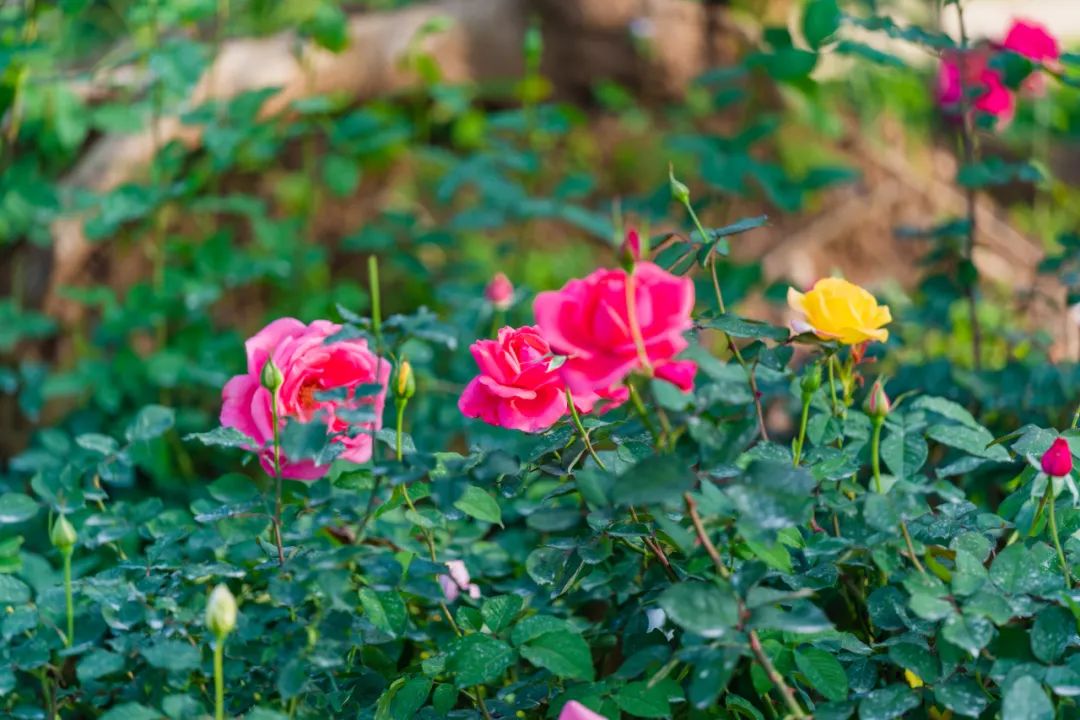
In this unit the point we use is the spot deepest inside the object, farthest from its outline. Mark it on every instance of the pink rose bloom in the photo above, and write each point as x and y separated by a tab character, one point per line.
574	710
605	338
516	387
458	581
983	83
309	365
1033	41
500	292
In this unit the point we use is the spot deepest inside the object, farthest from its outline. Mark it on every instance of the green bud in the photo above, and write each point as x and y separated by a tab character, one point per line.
221	611
811	379
404	381
63	535
679	191
271	377
534	44
877	404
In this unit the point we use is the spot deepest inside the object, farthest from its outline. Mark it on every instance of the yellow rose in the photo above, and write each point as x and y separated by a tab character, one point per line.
835	309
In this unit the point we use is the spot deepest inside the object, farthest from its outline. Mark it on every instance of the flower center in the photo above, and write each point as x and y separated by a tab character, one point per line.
306	396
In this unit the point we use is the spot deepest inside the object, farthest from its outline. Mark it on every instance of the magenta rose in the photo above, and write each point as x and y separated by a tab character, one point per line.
574	710
605	338
309	366
971	71
516	387
1033	41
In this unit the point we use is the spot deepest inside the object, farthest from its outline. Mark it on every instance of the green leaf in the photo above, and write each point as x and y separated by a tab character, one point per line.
534	626
1025	699
477	659
821	20
99	663
736	326
479	504
444	698
385	610
151	422
655	480
641	700
970	632
564	654
499	611
962	695
903	449
823	671
1054	628
975	441
233	488
13	591
173	655
16	508
341	174
701	608
221	437
403	699
770	497
132	711
888	703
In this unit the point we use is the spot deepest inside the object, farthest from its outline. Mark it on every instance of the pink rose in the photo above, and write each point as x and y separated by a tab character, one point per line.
605	338
500	292
574	710
1032	40
458	581
309	365
516	387
983	84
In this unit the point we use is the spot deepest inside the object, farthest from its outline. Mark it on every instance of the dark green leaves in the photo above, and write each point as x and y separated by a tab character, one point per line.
770	497
477	659
702	608
654	480
479	504
823	671
1025	699
821	19
563	653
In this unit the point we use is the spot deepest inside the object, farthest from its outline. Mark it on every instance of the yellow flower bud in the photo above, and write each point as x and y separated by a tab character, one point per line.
912	679
221	611
405	381
835	309
63	535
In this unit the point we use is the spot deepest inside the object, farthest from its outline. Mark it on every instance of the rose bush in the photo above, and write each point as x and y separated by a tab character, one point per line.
617	477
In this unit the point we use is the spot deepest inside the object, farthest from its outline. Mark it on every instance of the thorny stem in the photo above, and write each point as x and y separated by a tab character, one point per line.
657	550
755	642
970	153
766	664
1051	516
875	463
581	429
751	376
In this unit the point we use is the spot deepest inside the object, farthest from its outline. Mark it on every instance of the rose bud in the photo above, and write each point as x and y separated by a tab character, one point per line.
404	381
221	611
811	380
271	377
500	292
1058	461
63	534
633	248
877	402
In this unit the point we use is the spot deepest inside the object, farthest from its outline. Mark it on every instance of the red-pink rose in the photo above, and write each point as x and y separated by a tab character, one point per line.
516	387
971	72
309	366
1032	40
605	338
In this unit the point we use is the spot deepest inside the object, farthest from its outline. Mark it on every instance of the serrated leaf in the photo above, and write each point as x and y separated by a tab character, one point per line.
563	653
479	504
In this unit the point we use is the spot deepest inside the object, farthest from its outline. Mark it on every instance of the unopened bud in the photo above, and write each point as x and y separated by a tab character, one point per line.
404	381
679	191
1058	461
63	535
500	292
811	379
221	611
271	377
877	404
634	247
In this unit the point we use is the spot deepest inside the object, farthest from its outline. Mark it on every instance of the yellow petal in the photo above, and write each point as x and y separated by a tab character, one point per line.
912	679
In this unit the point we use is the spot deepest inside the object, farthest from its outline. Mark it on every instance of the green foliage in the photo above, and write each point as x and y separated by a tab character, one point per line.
708	575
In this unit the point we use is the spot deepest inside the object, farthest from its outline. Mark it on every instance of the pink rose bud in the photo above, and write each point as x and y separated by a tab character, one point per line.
877	404
1032	41
574	710
632	249
1058	461
500	292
